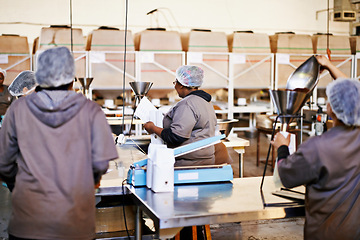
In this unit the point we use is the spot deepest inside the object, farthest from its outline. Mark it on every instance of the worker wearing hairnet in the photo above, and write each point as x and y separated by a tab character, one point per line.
23	84
191	119
329	166
56	144
5	97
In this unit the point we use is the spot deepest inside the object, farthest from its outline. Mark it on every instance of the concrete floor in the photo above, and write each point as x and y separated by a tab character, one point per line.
252	230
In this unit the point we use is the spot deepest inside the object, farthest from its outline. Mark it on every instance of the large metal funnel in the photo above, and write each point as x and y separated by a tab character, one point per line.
85	82
140	88
288	102
305	77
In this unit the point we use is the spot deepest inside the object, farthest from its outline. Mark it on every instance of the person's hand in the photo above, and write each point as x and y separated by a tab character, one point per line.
323	61
149	127
280	140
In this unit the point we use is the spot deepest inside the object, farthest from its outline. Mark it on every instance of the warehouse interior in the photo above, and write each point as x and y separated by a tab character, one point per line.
245	48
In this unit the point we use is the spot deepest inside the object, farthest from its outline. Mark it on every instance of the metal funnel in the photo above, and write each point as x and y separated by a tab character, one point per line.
85	82
288	102
140	88
305	77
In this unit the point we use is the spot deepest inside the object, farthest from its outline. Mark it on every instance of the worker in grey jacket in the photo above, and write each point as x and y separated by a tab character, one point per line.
329	166
55	145
191	119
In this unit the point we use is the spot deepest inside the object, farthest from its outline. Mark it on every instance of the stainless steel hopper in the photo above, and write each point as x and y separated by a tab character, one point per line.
140	88
288	102
305	77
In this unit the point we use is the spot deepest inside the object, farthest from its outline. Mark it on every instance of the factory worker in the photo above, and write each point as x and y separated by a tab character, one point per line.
23	84
5	97
56	144
191	119
329	166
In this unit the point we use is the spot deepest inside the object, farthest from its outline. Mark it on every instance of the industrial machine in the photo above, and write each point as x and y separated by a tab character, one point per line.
186	175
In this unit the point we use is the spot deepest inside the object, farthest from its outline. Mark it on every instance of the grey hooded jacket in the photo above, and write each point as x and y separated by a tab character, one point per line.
53	143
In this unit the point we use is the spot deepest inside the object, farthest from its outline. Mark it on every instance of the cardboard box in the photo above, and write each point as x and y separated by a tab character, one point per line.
248	71
109	40
290	43
159	48
107	68
204	41
55	36
337	44
10	46
156	40
240	42
14	44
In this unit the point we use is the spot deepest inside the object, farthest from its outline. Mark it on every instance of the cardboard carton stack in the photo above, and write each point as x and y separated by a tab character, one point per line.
107	46
14	55
201	46
60	36
291	51
252	60
340	54
160	55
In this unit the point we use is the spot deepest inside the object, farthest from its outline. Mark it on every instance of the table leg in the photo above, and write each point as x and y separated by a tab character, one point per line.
138	226
240	151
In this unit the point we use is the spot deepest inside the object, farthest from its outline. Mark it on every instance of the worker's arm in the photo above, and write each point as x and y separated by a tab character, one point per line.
327	64
165	133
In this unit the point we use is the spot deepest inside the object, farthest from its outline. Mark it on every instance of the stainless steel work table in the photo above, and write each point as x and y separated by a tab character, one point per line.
200	204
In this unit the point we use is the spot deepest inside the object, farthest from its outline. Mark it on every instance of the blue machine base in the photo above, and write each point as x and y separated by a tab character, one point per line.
220	173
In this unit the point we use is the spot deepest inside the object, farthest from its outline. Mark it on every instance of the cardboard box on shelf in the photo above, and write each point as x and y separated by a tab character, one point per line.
160	55
290	43
337	44
204	41
340	53
11	46
157	40
109	39
61	36
244	42
108	68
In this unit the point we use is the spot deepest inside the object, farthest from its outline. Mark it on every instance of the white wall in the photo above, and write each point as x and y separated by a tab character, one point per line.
266	16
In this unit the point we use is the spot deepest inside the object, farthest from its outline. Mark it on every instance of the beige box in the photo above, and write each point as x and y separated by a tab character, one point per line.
339	45
157	40
240	42
107	48
109	40
61	37
290	43
160	55
13	44
252	60
204	50
10	48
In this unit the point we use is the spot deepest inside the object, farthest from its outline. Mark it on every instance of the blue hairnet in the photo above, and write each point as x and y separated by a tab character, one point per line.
24	79
55	67
344	99
190	76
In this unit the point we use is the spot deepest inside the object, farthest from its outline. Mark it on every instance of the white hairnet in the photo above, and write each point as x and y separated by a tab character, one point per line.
3	71
55	67
190	76
344	99
25	79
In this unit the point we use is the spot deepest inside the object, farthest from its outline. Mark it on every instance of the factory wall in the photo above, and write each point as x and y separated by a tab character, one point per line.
26	18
